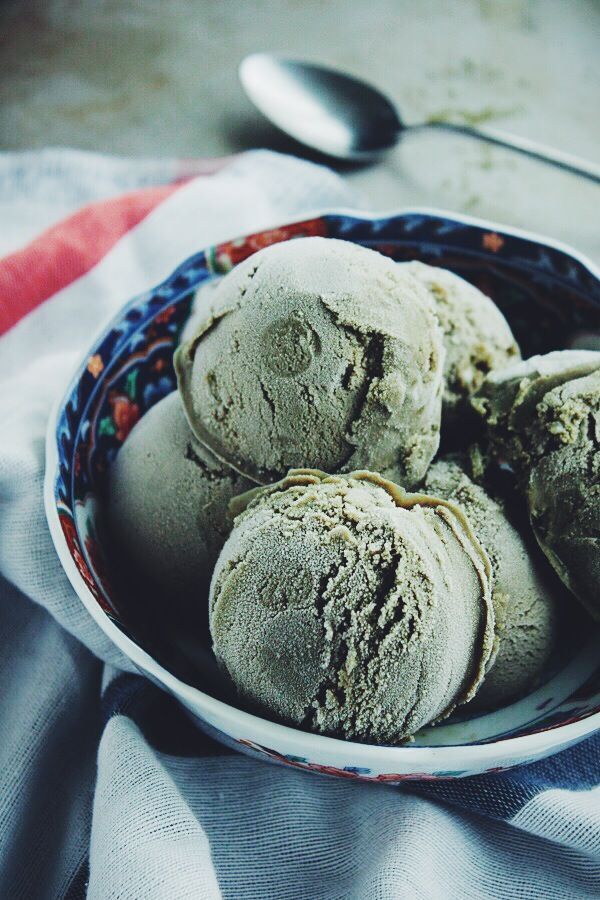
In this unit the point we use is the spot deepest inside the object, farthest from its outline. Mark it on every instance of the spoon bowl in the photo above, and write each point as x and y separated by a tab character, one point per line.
333	113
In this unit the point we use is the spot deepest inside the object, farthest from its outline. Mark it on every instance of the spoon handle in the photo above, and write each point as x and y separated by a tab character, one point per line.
523	145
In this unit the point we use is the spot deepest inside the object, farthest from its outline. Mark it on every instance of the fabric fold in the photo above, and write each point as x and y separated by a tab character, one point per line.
108	789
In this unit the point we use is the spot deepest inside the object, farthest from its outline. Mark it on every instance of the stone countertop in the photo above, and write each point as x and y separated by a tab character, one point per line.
140	77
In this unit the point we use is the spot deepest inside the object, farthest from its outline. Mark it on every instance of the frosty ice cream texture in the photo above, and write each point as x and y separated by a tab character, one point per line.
543	417
319	353
477	337
168	501
339	602
342	604
507	402
526	602
563	489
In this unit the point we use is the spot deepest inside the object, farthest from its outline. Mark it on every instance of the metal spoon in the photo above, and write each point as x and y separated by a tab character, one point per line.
349	119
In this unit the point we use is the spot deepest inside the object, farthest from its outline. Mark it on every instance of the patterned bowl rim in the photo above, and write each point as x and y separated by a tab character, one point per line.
265	731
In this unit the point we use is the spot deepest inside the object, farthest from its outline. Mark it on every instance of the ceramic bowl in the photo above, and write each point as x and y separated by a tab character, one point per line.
551	296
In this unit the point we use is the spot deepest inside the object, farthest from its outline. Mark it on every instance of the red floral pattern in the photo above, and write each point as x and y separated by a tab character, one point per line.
228	255
125	414
98	563
165	315
95	365
72	540
492	241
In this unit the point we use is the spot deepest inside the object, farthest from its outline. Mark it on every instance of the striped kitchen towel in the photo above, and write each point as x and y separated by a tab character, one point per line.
106	788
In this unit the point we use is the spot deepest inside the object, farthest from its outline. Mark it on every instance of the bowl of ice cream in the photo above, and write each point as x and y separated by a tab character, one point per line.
125	387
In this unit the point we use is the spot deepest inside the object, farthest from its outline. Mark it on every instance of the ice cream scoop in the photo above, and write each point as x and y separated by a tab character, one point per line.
319	353
563	486
343	605
526	601
507	401
477	337
168	502
543	418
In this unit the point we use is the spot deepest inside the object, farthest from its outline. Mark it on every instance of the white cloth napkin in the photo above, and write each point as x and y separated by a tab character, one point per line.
106	789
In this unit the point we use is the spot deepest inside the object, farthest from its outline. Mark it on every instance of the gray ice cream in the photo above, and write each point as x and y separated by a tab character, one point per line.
563	487
168	500
203	307
543	418
319	353
477	337
341	604
526	601
507	401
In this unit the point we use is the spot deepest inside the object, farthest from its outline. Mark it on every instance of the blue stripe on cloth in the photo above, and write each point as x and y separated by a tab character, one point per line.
162	721
503	794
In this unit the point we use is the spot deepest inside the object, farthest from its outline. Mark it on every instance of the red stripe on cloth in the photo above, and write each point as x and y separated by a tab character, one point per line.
68	250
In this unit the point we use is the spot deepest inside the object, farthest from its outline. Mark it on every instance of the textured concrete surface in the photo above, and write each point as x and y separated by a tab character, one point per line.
150	78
